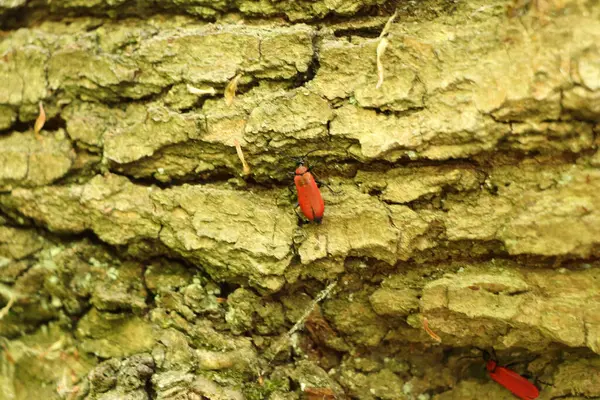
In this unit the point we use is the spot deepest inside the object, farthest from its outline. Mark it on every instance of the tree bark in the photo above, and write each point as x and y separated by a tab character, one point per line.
141	259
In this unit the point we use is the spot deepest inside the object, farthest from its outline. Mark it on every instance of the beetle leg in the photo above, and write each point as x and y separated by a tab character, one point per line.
494	355
544	383
291	190
328	187
300	217
526	362
296	204
324	184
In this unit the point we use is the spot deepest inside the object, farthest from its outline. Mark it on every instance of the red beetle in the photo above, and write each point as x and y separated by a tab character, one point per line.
508	378
309	196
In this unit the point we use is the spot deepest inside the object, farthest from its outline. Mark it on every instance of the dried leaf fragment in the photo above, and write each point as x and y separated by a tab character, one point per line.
231	89
240	153
431	333
201	91
8	354
383	43
4	311
388	24
39	122
318	327
381	46
312	393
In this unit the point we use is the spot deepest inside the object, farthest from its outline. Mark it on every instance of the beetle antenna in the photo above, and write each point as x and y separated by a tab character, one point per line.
303	158
296	160
493	354
487	354
465	357
484	352
312	151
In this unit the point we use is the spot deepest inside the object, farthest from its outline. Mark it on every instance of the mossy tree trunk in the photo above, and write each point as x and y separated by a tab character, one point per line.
138	259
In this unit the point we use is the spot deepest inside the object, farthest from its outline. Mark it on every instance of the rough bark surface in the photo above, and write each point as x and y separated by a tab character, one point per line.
139	261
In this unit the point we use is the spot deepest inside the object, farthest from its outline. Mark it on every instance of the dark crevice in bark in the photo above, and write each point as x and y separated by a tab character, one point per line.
366	32
398	114
15	18
220	176
149	388
430	201
381	165
121	102
303	78
81	176
86	235
246	87
199	103
483	162
17	126
9	218
15	219
119	310
55	123
75	318
226	288
34	13
516	293
52	124
565	116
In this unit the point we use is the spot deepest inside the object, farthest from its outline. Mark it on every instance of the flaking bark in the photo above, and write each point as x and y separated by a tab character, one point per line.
142	255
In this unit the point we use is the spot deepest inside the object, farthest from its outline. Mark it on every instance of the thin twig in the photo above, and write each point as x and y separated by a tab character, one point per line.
286	337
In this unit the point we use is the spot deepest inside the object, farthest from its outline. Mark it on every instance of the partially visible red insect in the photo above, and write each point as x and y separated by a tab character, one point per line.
517	384
309	196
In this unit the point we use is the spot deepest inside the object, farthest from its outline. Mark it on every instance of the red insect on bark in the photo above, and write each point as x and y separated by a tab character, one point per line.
309	196
517	384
